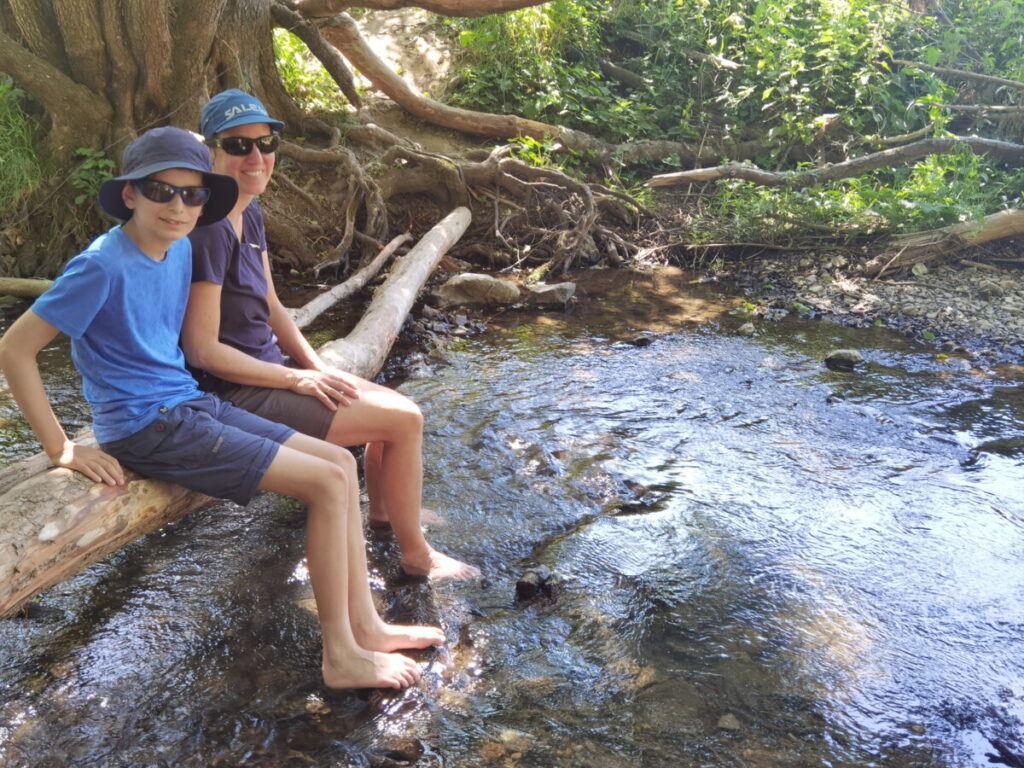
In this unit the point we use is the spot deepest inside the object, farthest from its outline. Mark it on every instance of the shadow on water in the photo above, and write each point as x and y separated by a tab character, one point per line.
753	560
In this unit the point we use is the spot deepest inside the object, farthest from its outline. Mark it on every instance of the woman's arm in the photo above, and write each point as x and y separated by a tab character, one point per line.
294	344
19	349
203	349
200	340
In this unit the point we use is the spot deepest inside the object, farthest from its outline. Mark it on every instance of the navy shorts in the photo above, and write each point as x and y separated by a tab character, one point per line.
205	445
302	413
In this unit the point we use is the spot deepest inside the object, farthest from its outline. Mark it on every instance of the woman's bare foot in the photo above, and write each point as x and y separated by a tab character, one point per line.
394	637
381	522
369	669
437	566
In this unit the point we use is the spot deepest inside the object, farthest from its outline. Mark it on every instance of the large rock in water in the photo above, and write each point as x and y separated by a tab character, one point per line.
843	359
471	288
551	294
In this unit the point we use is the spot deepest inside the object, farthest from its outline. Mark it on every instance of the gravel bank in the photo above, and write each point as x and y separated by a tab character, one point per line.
976	310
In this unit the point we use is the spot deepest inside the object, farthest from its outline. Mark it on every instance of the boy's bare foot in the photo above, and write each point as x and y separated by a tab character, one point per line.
369	669
394	637
437	566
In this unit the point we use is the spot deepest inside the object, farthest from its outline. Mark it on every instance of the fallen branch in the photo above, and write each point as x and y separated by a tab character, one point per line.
366	347
306	314
1004	151
54	522
24	287
963	74
920	247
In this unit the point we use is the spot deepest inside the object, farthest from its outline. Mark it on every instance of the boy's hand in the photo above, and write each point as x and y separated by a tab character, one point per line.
329	387
98	466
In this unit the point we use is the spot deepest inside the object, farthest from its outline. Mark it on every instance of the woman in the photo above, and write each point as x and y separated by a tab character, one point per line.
245	347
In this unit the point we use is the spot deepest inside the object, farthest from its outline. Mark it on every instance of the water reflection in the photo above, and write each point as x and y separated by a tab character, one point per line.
758	562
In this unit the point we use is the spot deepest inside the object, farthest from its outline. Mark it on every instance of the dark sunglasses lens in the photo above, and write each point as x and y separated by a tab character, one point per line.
156	191
159	192
268	144
194	195
241	146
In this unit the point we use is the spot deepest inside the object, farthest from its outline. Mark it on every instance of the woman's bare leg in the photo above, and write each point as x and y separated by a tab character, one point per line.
370	631
392	427
322	476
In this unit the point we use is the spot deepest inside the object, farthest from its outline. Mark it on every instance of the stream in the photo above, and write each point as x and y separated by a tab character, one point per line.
743	558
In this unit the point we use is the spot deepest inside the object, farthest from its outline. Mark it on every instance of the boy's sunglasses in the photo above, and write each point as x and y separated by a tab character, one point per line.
240	146
160	192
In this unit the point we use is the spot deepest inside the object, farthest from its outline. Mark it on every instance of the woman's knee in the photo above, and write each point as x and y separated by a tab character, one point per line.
408	415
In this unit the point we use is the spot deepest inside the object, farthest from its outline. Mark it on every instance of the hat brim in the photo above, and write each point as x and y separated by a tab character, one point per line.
248	119
223	192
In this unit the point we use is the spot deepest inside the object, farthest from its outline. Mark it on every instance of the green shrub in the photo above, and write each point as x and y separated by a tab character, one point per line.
20	169
303	75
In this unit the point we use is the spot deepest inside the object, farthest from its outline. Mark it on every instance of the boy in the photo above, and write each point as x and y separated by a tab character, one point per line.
122	302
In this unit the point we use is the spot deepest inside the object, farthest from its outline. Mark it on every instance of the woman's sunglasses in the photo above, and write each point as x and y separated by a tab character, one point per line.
160	192
240	146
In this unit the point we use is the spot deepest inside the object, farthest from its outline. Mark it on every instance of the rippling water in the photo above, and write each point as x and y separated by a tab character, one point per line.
756	562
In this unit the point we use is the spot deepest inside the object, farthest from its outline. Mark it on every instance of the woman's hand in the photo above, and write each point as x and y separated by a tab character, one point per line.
329	387
98	466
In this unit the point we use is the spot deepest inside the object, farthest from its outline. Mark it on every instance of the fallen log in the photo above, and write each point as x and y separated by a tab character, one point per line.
920	247
24	287
55	522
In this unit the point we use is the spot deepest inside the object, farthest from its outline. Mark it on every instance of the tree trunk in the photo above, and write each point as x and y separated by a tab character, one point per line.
106	70
54	522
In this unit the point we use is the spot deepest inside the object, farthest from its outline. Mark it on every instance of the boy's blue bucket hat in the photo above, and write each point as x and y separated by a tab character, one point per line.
232	108
161	149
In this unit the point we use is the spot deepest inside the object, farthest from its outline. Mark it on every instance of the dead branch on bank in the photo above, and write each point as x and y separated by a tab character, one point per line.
961	74
55	522
921	247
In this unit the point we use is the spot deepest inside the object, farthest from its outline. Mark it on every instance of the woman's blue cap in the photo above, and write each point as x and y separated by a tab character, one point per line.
232	108
161	149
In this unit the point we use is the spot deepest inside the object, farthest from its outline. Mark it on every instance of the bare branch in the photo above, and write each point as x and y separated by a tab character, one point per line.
454	8
328	55
961	73
1011	154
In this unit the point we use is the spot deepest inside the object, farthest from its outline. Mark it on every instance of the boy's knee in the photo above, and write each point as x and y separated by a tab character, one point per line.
346	461
336	476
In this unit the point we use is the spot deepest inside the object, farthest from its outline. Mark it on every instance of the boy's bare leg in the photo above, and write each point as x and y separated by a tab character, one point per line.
392	426
321	475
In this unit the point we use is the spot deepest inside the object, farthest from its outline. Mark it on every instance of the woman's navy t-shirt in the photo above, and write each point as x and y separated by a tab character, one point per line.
237	266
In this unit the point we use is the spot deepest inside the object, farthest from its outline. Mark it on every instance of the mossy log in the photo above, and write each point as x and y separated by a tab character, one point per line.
54	522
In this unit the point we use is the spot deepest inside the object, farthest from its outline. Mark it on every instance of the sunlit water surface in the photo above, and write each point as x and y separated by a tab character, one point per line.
754	561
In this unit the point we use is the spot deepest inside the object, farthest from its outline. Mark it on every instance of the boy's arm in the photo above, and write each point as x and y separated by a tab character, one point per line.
18	350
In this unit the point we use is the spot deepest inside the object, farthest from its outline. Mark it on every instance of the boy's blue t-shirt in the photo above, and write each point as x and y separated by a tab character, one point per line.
123	312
